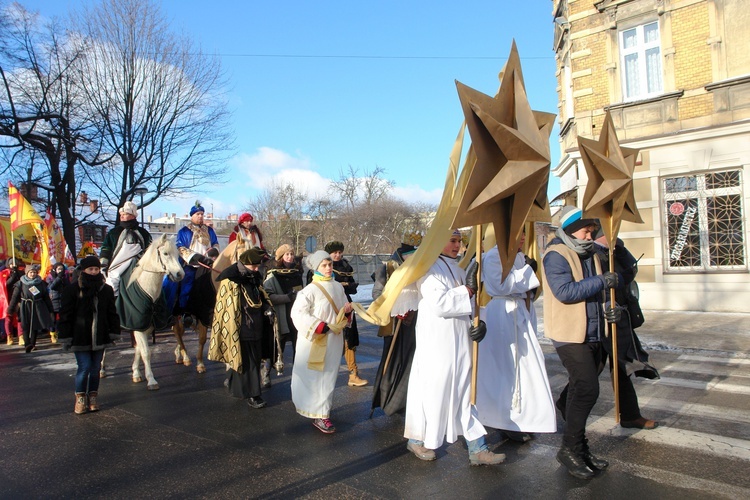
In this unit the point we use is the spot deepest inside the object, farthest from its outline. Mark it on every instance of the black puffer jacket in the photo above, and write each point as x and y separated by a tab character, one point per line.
87	302
56	283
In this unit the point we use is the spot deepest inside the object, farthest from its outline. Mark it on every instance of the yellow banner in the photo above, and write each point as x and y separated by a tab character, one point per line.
25	240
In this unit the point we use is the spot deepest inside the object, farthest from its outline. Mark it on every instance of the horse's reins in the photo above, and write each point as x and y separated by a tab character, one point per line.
208	267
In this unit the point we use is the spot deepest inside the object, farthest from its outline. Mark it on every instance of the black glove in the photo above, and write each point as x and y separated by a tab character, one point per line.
292	295
472	281
477	333
531	263
198	258
613	314
611	280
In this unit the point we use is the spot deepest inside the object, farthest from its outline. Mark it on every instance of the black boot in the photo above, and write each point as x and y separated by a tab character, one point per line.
593	462
572	461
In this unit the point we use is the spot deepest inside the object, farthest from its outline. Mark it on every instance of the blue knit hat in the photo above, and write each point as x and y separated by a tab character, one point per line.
196	208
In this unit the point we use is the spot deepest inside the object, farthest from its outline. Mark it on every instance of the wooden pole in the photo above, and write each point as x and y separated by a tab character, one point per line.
615	381
393	342
475	345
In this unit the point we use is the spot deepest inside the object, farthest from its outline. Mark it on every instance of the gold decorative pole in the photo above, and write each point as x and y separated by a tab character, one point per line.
475	345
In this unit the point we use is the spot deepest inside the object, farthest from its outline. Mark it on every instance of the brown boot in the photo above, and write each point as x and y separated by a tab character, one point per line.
80	403
93	403
355	381
10	340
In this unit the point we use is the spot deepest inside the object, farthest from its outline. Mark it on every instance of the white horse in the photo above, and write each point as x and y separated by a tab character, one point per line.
159	259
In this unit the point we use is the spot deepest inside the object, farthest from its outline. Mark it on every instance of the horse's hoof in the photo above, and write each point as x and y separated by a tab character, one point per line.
154	387
137	380
201	368
187	362
102	374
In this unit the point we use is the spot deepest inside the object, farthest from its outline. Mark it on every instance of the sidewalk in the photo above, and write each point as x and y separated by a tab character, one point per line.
725	334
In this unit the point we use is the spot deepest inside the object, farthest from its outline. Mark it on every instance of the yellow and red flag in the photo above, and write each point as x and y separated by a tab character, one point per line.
21	211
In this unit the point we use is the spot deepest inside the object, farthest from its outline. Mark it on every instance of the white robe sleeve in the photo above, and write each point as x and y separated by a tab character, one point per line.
443	300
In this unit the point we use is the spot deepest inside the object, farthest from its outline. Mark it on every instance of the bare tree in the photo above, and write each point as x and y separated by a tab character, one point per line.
281	208
42	120
157	100
351	189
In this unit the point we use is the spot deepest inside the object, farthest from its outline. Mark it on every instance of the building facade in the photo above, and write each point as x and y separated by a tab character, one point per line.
675	76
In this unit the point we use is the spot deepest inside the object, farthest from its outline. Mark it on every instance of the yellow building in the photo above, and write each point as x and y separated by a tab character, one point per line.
675	75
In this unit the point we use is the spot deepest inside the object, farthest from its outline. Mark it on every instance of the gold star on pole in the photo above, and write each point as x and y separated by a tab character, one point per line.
511	172
609	192
609	196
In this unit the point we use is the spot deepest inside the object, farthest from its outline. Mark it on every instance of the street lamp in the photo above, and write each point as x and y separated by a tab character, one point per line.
141	190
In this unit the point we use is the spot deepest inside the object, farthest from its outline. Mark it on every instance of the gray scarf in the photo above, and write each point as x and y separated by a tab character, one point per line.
581	247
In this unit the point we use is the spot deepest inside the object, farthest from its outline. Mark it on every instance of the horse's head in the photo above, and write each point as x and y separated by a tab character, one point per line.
168	258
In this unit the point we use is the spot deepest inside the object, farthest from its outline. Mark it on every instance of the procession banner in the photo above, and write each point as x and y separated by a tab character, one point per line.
58	248
24	239
21	211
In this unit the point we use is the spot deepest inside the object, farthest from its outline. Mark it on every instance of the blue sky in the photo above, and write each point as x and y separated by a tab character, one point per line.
316	86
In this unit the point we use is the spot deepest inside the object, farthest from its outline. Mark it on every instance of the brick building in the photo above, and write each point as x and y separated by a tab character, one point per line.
675	75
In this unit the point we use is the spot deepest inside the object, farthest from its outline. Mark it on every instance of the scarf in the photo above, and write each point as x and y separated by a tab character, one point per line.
30	282
317	276
200	234
581	247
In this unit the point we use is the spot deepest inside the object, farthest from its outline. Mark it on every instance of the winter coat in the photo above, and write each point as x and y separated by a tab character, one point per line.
56	283
88	318
572	295
31	299
282	285
344	274
111	243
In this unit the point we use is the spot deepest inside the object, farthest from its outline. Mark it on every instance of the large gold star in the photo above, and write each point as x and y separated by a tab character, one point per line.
609	192
511	172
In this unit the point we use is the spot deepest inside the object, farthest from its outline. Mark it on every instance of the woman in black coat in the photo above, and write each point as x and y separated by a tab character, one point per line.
87	302
31	301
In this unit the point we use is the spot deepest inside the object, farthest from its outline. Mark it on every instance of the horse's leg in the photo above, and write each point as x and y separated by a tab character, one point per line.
137	378
179	330
202	334
141	341
102	372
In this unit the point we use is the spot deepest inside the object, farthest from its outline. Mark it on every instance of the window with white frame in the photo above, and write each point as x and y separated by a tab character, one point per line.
640	53
704	222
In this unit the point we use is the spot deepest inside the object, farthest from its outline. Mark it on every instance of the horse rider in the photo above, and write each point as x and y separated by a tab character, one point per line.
193	242
248	231
124	243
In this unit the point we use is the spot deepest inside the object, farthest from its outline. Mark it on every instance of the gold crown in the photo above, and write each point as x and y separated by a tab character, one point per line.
413	238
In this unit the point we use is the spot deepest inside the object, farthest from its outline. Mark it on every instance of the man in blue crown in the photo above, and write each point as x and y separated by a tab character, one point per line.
193	242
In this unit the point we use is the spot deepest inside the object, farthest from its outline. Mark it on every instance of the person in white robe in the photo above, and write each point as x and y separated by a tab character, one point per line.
513	392
438	405
320	313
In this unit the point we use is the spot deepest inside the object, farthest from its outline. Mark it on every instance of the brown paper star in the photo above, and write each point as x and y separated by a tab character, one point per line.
609	192
510	176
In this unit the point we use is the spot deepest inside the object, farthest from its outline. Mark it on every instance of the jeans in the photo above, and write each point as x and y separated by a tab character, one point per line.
582	361
476	446
87	376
